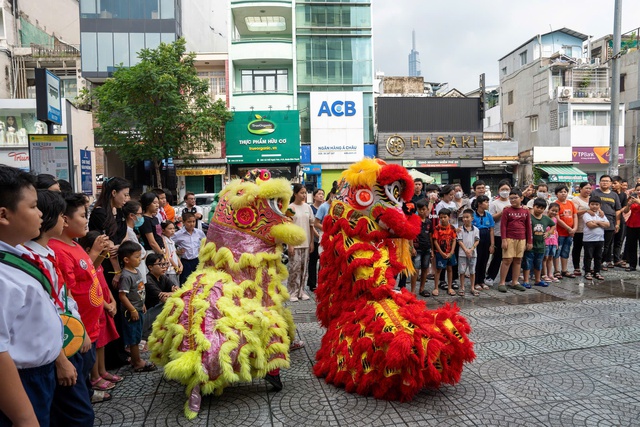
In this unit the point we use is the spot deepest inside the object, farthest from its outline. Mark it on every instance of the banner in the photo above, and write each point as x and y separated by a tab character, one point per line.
594	155
86	176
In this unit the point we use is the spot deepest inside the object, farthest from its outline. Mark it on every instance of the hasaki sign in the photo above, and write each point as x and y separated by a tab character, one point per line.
594	155
458	146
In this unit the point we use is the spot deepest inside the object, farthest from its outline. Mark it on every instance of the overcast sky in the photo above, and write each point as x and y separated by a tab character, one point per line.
459	40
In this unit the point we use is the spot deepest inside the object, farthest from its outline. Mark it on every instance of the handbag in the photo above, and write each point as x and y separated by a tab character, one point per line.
74	330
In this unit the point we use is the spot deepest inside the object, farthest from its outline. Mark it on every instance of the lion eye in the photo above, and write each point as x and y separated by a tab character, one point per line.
364	197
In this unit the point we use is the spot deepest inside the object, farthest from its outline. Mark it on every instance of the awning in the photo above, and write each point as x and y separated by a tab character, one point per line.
564	173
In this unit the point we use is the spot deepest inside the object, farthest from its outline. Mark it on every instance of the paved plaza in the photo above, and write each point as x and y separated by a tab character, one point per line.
567	355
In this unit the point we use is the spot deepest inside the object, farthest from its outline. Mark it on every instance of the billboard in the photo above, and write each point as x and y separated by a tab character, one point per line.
263	137
594	155
51	154
337	127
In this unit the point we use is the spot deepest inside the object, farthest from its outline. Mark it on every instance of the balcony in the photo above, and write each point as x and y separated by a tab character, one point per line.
261	51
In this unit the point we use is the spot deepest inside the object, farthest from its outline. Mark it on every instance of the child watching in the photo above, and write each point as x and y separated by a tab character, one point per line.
158	289
132	294
533	258
175	265
187	242
468	241
444	241
30	327
567	226
484	222
550	264
515	228
82	280
595	223
421	249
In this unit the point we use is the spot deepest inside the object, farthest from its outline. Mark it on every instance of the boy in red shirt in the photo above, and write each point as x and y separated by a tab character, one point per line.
515	228
82	280
444	242
567	226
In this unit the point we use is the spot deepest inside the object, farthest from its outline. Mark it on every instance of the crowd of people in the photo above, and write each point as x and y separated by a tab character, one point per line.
112	268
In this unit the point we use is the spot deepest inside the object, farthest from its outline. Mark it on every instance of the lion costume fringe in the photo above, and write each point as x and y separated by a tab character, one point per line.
379	341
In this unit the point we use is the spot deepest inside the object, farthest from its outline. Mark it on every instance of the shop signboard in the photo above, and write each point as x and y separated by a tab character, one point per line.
594	155
15	157
51	154
86	176
448	148
263	137
337	127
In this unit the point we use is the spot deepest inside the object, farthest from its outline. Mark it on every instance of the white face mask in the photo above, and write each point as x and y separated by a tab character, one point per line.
542	194
504	194
458	195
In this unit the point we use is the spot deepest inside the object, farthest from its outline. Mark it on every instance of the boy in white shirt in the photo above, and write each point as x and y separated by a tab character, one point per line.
468	241
594	224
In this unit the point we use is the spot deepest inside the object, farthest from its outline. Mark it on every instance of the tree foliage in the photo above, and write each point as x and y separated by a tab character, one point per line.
159	109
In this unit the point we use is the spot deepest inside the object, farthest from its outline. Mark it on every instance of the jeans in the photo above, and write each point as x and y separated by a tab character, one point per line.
312	280
483	256
593	251
564	246
577	249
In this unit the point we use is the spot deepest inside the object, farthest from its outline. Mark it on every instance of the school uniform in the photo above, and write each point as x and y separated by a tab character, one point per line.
31	332
190	242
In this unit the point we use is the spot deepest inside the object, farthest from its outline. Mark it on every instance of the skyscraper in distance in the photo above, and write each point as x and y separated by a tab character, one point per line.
414	58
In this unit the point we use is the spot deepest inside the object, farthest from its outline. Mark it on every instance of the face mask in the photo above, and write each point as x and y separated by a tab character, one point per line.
542	194
433	196
458	195
139	222
504	194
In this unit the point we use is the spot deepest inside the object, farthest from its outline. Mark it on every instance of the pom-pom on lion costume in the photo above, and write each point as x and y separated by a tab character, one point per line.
227	323
379	341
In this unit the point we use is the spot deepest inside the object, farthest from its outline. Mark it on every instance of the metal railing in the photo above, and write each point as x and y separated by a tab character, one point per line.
58	50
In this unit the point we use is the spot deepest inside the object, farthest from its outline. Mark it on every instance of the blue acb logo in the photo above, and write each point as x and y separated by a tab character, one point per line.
337	109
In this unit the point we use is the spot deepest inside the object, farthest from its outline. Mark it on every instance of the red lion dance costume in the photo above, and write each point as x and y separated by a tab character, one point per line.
379	341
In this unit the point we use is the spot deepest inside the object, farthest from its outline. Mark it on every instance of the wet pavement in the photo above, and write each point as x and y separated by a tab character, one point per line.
567	355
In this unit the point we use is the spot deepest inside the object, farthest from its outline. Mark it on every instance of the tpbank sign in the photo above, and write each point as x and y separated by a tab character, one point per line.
337	123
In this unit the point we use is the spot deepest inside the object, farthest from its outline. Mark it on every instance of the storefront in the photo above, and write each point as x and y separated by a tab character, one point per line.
441	137
266	140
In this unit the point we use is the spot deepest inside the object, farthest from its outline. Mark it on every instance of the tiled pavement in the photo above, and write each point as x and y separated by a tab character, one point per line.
567	355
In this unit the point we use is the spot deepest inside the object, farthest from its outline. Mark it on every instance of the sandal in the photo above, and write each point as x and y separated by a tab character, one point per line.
485	287
435	292
296	345
148	367
112	378
599	276
460	293
102	384
568	275
424	293
577	273
479	287
452	293
475	292
100	396
588	276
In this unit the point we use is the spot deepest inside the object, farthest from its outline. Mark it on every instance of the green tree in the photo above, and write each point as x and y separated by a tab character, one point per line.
158	109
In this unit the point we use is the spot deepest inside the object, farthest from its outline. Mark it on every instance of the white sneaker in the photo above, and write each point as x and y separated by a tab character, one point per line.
293	299
304	297
488	282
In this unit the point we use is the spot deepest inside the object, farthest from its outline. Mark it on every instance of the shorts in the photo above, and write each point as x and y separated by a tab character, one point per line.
551	251
515	248
465	263
442	263
532	260
421	260
564	246
132	330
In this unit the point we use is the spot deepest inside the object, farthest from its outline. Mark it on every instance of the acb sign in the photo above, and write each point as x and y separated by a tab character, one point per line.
337	108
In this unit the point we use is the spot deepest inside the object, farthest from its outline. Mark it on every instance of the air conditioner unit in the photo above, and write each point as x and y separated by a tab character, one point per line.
565	92
580	61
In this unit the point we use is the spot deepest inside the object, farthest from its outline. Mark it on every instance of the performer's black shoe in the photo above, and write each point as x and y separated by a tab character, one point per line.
274	380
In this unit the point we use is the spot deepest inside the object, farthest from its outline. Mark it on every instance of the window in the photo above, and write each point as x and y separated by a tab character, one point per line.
523	58
563	119
622	79
265	23
510	130
504	71
216	80
265	80
590	118
510	97
533	120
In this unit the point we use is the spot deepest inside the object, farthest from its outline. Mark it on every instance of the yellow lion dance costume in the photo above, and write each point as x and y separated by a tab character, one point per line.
379	341
227	323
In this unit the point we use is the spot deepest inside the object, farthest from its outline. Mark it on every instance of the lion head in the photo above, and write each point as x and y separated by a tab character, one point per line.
376	191
251	214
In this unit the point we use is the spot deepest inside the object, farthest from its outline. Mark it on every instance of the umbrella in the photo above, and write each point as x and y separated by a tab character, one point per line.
423	176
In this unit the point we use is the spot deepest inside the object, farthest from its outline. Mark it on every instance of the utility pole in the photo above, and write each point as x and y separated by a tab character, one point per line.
614	130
